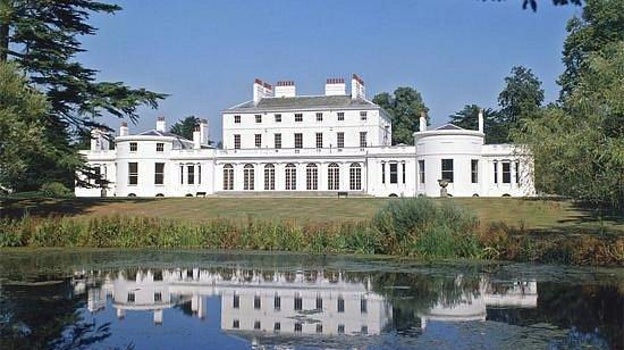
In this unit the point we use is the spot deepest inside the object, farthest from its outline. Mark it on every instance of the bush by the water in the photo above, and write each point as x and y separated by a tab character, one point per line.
423	228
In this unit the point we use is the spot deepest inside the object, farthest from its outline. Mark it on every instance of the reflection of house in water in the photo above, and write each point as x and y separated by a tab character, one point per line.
251	301
472	306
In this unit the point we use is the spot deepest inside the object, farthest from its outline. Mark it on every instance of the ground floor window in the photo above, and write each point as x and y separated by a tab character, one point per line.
421	171
133	173
190	175
228	177
394	173
355	177
517	172
159	173
248	177
447	169
291	177
474	171
269	177
333	177
506	172
311	177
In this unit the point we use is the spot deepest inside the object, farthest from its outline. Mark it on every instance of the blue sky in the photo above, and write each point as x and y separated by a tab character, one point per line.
206	54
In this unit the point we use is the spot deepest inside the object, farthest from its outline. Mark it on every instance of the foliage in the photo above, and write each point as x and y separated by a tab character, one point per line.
56	189
467	118
419	227
21	131
185	127
43	38
601	24
405	107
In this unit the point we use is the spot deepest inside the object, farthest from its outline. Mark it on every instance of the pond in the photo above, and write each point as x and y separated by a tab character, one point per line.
116	299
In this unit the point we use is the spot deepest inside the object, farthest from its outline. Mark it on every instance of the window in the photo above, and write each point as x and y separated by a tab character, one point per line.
131	297
133	173
383	173
421	171
269	177
298	302
277	327
258	140
235	324
248	177
495	172
278	140
181	173
363	139
157	297
341	304
237	141
257	325
199	174
394	173
447	169
341	329
278	118
298	140
228	177
363	115
237	119
298	327
340	139
319	328
277	302
474	170
291	177
364	330
258	118
159	173
319	117
311	177
298	117
403	171
340	115
333	177
236	301
517	172
133	146
319	140
319	302
363	305
355	177
506	172
160	147
257	302
190	174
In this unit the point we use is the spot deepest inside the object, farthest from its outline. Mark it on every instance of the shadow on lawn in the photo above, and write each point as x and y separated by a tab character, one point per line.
45	207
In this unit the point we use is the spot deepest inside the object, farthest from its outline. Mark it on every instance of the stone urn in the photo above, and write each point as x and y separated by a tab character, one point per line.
443	191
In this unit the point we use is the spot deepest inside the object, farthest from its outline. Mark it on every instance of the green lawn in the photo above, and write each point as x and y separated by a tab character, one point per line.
548	215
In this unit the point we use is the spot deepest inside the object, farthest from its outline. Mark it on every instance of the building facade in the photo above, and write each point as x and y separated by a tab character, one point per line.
280	142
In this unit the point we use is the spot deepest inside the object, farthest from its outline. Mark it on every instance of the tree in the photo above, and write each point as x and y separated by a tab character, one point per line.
21	130
404	107
185	127
579	149
43	38
468	118
533	3
601	23
521	98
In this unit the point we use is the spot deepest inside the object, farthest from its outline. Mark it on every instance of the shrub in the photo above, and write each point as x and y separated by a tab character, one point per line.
56	189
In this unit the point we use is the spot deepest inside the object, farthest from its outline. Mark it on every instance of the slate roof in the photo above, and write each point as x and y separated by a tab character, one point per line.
304	102
154	132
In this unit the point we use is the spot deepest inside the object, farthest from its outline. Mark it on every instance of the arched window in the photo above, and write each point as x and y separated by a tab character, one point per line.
248	177
311	177
291	177
333	177
355	177
269	177
228	177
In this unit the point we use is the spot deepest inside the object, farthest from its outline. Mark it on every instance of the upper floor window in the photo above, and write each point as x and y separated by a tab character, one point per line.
447	169
298	140
237	119
298	117
363	139
363	115
237	141
133	146
319	140
340	139
160	147
258	140
319	117
258	118
278	118
340	115
278	140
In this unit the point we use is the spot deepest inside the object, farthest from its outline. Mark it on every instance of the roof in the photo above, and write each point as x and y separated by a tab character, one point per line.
154	132
449	127
303	102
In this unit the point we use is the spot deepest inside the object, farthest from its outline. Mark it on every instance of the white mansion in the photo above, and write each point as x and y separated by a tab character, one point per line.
336	143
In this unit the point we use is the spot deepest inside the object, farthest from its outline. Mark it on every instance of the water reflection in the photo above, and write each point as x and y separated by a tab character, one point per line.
322	307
